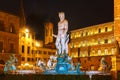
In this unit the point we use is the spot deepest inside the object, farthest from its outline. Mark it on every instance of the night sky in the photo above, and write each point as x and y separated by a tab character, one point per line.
79	13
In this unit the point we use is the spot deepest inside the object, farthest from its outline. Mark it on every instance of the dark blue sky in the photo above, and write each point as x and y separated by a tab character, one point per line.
79	13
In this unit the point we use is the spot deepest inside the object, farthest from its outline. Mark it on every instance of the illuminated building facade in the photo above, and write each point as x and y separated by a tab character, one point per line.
31	49
89	44
43	53
9	39
26	44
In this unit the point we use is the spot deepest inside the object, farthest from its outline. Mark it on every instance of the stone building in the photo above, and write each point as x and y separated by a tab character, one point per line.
88	45
31	49
26	44
9	39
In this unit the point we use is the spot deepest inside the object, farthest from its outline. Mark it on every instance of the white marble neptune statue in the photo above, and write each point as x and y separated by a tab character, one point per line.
62	37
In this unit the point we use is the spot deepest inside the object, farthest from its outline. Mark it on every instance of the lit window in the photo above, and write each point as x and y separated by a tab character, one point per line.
11	28
112	39
27	35
98	40
106	51
81	43
99	52
113	51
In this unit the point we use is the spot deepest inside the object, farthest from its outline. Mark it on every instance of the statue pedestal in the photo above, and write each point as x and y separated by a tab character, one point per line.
62	66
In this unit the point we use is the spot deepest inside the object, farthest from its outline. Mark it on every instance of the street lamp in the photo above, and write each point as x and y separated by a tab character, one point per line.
26	30
37	44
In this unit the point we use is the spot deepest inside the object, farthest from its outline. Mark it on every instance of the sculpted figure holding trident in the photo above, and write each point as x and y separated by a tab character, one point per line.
62	37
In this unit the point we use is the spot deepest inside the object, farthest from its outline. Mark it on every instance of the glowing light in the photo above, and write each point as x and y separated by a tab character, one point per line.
37	44
26	30
26	64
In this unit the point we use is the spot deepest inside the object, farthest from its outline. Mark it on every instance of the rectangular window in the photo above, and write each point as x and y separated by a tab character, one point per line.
99	31
45	52
23	58
11	48
22	48
28	59
32	59
28	49
82	34
106	29
98	40
106	41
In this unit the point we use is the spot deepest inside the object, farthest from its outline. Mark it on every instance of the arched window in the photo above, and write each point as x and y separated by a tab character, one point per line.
113	51
106	51
2	26
99	52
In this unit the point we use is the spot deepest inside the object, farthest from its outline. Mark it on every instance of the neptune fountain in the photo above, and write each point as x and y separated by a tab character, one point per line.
64	64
